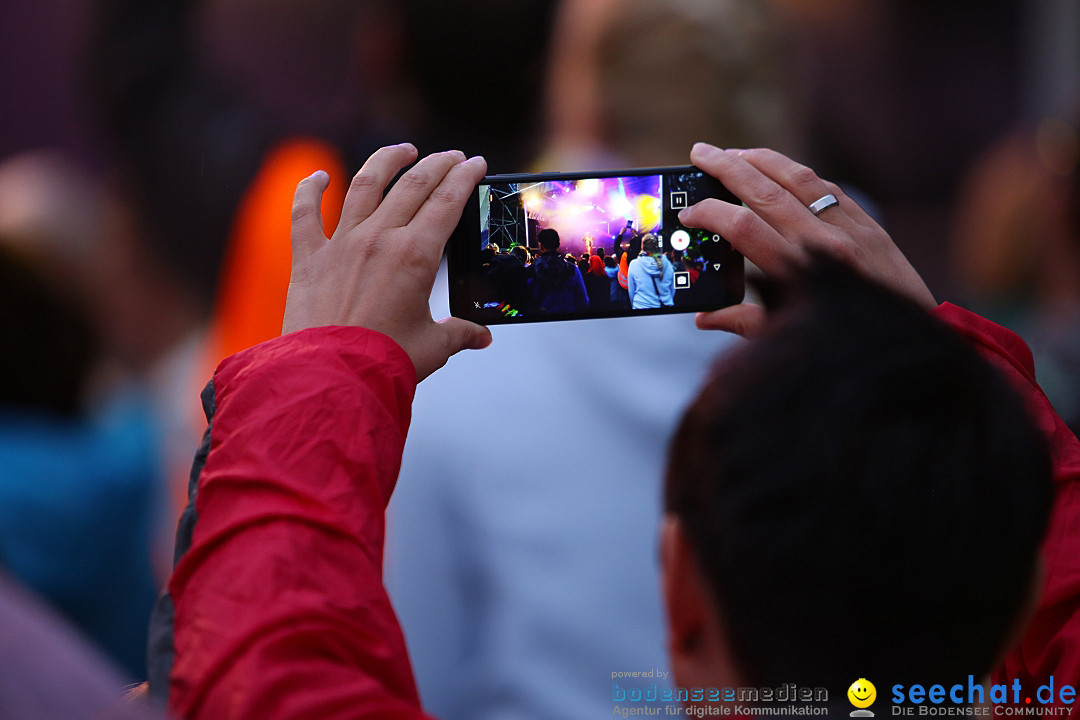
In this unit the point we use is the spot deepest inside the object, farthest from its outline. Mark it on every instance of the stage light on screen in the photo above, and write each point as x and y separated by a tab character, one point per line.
533	200
649	209
586	213
620	206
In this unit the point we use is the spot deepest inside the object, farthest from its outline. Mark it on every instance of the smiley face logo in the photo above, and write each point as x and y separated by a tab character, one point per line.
862	693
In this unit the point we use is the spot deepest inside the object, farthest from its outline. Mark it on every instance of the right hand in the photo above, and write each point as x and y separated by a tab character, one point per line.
776	228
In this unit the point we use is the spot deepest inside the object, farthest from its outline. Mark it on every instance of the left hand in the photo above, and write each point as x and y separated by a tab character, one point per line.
776	227
378	268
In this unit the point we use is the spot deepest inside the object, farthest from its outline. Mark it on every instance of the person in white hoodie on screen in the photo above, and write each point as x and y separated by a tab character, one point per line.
651	277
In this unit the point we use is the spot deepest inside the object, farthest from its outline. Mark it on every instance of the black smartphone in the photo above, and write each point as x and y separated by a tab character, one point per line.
563	246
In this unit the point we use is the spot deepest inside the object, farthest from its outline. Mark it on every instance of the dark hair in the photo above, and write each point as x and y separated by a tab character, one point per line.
548	239
865	495
50	348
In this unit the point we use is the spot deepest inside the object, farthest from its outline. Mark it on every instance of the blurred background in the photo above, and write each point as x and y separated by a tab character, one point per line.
149	150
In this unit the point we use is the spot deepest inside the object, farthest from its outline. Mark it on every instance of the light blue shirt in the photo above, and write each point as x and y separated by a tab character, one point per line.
522	552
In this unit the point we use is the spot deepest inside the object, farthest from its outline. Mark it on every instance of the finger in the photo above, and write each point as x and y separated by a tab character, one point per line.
457	335
766	197
440	213
307	224
465	335
802	182
368	185
744	319
413	188
853	209
746	232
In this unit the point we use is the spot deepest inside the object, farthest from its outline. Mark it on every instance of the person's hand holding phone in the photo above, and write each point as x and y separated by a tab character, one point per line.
378	268
777	227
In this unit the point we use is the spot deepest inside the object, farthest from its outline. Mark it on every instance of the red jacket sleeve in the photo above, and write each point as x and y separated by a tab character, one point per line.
1051	643
280	606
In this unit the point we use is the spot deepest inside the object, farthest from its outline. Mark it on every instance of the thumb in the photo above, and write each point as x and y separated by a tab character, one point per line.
744	319
453	336
307	222
464	335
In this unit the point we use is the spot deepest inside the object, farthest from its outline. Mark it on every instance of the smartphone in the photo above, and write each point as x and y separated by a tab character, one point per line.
564	246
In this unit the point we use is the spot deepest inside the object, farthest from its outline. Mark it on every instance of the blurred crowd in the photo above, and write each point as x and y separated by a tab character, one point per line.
148	155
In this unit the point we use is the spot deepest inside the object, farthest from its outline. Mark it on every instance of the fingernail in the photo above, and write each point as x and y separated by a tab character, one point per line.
407	146
683	213
705	148
474	160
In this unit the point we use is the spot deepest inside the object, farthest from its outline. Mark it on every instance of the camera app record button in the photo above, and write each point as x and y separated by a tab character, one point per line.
680	240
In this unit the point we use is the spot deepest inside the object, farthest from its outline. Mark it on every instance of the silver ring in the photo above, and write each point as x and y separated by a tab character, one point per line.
823	203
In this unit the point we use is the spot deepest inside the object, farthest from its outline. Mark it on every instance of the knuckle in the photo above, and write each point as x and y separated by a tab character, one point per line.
444	195
743	222
368	249
839	248
362	181
302	210
413	258
804	177
771	195
412	255
414	180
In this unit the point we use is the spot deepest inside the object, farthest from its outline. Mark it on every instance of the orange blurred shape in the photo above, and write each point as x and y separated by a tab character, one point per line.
255	276
254	283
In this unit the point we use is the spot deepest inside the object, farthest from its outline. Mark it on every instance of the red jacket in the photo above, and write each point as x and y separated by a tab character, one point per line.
306	443
305	447
1051	642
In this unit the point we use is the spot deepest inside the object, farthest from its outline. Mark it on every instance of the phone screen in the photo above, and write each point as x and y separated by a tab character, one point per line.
560	246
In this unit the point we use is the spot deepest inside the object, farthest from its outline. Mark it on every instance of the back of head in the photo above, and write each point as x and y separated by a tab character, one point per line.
548	239
852	482
50	347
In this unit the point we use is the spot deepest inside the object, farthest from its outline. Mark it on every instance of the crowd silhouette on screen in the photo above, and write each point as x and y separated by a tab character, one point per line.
633	275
